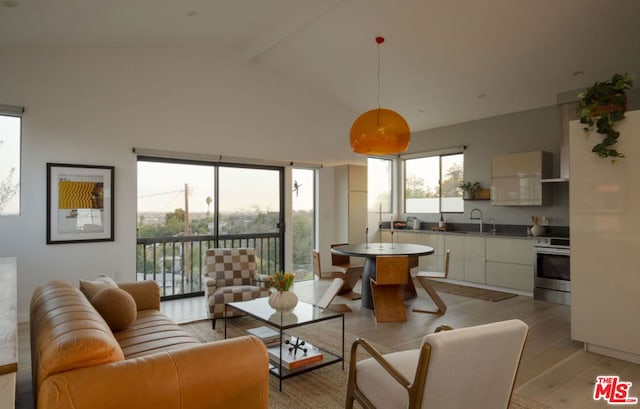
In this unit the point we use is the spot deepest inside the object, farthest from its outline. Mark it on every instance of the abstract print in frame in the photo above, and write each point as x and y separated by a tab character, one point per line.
79	203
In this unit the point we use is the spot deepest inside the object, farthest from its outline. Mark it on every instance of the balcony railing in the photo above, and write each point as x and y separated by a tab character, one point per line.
177	264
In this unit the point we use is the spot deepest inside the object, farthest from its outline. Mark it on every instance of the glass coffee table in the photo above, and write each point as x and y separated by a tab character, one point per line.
303	314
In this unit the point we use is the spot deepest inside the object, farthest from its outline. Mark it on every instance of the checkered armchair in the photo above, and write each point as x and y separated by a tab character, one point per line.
231	276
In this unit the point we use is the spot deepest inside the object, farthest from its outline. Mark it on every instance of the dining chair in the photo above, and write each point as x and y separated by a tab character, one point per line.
423	278
473	367
392	273
338	277
353	272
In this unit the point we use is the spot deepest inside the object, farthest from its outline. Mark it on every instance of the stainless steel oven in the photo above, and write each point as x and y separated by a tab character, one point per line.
551	265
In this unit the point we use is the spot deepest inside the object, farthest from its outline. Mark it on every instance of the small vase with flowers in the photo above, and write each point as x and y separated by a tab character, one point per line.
282	299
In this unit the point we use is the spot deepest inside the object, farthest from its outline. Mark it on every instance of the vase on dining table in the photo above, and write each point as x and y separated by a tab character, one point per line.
283	301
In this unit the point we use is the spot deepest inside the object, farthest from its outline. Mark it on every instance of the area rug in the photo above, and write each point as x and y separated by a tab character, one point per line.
324	388
471	292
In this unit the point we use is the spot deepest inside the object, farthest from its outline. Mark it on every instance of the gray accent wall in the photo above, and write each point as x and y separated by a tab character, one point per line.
537	129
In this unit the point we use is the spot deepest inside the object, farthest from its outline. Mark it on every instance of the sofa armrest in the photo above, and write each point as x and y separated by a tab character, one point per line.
209	285
226	374
145	293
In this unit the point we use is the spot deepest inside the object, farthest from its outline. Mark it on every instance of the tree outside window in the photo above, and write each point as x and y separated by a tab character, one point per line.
431	184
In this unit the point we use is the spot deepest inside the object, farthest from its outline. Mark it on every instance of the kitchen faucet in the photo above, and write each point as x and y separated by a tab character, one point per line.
471	217
492	220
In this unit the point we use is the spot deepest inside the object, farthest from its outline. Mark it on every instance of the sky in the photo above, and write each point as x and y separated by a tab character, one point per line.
161	188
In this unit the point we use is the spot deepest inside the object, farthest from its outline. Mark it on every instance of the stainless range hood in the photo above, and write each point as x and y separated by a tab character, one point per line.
568	112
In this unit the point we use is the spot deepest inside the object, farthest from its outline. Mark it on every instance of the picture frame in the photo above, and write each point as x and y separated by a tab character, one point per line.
80	203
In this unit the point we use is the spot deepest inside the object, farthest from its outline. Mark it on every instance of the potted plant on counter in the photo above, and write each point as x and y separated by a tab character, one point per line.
601	106
469	189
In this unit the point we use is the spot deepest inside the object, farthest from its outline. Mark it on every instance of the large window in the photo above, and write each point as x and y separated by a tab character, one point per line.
185	207
303	217
379	185
431	184
9	163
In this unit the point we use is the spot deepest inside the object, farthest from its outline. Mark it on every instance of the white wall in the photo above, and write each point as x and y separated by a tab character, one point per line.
92	106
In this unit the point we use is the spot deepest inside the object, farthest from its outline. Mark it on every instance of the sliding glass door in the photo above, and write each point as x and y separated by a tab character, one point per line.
250	203
185	207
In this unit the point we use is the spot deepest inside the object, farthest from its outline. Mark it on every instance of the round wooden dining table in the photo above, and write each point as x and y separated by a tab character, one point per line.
372	250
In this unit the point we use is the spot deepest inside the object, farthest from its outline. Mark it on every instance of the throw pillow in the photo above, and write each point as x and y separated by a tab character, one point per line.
91	288
117	307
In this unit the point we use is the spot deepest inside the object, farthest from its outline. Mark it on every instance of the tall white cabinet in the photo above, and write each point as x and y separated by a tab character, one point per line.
351	197
605	244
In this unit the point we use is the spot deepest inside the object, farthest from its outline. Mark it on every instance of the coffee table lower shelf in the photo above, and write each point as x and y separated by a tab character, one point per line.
303	314
328	358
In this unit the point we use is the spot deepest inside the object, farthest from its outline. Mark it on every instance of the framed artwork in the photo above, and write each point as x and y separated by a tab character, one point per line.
79	203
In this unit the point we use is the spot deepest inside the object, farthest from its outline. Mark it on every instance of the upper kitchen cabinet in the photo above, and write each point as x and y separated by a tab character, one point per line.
516	179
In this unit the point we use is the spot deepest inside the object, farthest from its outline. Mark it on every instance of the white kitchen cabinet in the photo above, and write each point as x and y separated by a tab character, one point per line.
467	258
474	259
456	261
518	276
509	263
516	179
434	262
496	261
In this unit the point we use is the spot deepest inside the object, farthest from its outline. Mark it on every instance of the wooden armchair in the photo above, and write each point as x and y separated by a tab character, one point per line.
471	367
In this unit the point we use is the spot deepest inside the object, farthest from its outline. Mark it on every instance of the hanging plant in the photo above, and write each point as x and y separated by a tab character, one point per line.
601	106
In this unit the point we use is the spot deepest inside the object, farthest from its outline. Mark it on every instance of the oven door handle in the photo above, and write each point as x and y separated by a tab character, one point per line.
552	251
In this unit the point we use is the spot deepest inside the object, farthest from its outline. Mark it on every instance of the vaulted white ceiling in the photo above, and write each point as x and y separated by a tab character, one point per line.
443	62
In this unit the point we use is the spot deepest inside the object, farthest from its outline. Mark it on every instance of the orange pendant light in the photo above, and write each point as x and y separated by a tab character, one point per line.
380	131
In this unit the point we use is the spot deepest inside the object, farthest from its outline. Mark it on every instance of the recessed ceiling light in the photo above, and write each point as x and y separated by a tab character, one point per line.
10	3
578	73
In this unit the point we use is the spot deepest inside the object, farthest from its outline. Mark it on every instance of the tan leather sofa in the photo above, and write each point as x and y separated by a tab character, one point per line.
78	362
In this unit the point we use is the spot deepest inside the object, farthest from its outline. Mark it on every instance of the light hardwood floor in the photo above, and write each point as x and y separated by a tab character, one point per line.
554	370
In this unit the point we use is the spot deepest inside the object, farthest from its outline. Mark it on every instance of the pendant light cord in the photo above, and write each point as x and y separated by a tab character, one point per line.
379	41
378	98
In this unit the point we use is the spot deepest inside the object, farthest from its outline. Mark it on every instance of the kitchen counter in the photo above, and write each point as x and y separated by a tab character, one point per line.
462	233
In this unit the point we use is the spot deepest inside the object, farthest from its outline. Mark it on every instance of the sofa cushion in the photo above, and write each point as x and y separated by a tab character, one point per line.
145	293
92	287
116	306
153	332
